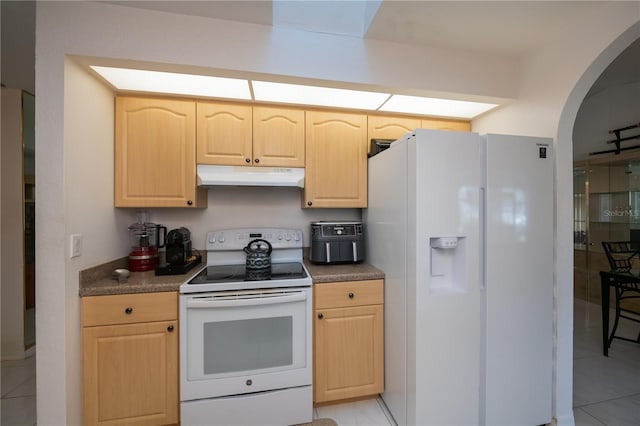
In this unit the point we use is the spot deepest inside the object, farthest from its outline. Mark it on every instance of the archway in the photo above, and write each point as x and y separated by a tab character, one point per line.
563	375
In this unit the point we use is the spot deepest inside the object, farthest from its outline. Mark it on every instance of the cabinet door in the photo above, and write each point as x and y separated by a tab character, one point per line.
155	154
336	160
278	137
131	374
224	134
442	124
348	352
383	127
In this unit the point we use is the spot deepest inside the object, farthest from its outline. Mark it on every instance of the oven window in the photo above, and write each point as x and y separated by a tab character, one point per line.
248	344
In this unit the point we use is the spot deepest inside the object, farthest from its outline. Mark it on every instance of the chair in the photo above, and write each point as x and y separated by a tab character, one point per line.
620	255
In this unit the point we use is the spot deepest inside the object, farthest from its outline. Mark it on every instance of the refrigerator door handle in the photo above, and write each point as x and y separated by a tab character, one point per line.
483	243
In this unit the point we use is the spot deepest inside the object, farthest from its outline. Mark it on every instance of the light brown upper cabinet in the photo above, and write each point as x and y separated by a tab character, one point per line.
384	127
278	137
336	160
224	133
390	127
242	135
155	154
443	124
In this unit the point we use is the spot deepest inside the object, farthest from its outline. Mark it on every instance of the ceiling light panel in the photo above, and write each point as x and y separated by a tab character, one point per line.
313	95
179	84
435	107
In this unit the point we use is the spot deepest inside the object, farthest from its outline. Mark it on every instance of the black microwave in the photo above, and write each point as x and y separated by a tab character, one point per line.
379	145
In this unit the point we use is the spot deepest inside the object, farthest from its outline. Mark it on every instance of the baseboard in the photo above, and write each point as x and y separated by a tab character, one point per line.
568	420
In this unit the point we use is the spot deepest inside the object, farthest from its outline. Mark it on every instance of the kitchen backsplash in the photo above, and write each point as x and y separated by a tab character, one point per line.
240	207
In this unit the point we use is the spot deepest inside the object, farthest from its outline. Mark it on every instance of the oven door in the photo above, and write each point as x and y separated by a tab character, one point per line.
239	342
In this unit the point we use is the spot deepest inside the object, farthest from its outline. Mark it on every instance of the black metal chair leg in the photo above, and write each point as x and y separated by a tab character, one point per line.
615	322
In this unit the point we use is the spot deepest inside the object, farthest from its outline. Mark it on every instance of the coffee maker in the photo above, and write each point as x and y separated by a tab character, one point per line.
179	255
178	246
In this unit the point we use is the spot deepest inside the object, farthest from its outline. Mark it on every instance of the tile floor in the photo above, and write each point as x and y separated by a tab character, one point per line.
368	412
606	390
19	392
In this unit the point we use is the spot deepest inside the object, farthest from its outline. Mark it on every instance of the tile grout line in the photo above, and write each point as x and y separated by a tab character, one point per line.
6	395
18	396
608	400
592	416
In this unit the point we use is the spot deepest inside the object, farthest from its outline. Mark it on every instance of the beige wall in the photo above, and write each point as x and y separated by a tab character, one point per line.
12	238
88	203
18	44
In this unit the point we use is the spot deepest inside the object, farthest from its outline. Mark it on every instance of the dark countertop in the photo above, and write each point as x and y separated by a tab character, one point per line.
343	272
97	281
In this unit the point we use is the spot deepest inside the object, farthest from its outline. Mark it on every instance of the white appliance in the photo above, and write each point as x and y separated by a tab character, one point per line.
215	175
245	344
462	226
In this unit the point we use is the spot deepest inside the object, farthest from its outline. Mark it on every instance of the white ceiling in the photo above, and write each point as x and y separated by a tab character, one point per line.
511	28
481	26
504	28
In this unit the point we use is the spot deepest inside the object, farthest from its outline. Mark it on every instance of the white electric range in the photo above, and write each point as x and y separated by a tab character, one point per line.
245	345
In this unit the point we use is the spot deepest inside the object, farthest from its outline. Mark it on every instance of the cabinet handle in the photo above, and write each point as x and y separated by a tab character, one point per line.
189	202
257	160
247	160
320	316
128	311
351	295
170	328
309	203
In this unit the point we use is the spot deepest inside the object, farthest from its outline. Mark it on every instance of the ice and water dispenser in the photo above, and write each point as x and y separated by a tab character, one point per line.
448	264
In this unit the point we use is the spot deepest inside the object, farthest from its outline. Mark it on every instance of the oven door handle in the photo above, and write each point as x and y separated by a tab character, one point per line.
213	302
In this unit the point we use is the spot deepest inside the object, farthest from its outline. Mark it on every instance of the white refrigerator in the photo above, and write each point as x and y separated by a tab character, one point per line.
462	226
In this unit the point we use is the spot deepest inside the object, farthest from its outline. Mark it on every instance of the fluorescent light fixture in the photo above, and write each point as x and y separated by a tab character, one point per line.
232	88
438	107
314	95
180	84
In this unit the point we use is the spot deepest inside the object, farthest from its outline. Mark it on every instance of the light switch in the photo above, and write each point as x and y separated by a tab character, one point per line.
75	246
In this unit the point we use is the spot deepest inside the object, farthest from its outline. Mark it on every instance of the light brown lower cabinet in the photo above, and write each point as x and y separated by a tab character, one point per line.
348	337
130	368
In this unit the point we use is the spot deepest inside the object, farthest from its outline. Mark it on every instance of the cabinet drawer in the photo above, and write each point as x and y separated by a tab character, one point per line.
348	293
129	308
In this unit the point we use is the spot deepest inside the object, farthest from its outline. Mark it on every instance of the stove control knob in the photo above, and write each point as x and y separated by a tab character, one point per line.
280	236
287	237
212	239
221	238
296	236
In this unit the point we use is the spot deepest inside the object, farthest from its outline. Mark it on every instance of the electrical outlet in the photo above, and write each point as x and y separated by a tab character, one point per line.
75	246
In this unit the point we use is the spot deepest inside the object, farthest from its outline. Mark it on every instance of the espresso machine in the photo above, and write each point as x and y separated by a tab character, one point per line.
178	253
